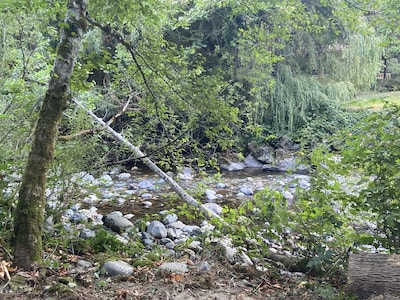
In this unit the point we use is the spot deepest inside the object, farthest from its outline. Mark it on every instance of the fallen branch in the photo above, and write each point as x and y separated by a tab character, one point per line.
70	137
148	162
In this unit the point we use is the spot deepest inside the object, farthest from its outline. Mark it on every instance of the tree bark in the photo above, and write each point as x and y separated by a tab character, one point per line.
372	274
29	214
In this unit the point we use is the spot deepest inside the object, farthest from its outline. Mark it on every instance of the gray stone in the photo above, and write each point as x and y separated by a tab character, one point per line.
165	240
124	176
177	225
76	207
105	180
246	190
170	218
116	222
84	264
288	196
170	245
157	229
118	267
251	162
87	233
214	207
204	267
145	184
174	267
68	212
147	196
221	185
265	154
78	218
146	204
173	232
211	195
192	229
148	242
185	173
233	166
91	199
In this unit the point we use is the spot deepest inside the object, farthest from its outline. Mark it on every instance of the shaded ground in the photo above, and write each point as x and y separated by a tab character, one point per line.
222	282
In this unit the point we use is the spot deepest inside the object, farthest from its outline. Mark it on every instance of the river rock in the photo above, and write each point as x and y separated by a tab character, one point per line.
87	233
251	162
90	199
174	267
157	229
84	264
147	196
146	204
124	176
185	173
246	190
221	185
211	195
214	207
192	229
145	184
118	267
174	232
105	180
204	267
233	166
177	225
116	222
264	154
170	218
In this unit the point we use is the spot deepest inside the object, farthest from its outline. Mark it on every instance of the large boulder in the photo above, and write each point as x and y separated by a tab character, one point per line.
116	222
264	154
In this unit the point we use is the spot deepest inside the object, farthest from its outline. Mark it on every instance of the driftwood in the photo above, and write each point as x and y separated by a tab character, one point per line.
372	274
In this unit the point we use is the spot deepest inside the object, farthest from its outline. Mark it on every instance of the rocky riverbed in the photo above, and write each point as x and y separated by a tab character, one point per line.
119	200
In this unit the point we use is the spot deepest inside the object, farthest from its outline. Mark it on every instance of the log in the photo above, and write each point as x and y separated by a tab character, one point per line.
371	274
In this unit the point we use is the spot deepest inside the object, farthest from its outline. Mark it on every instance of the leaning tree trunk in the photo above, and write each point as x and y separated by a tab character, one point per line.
29	215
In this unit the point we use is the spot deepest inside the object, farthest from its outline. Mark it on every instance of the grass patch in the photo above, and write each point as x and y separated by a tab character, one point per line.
373	101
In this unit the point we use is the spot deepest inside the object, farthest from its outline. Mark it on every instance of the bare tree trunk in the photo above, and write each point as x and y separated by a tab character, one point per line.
29	215
372	274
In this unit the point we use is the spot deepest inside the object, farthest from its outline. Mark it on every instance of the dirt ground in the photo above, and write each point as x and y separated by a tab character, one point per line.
222	282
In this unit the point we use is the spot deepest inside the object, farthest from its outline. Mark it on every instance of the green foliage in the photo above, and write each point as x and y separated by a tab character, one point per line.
373	152
105	241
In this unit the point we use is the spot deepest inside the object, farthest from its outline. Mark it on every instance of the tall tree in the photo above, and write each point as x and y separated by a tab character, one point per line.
29	215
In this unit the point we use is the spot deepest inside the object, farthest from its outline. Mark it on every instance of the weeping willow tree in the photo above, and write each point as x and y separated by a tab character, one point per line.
313	77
